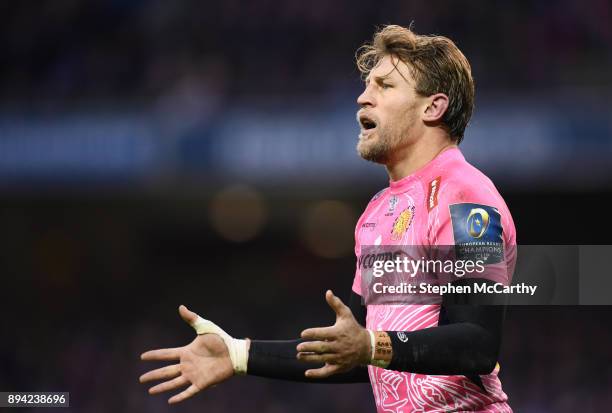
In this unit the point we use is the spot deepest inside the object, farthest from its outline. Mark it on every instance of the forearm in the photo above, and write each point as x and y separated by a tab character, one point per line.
277	360
466	340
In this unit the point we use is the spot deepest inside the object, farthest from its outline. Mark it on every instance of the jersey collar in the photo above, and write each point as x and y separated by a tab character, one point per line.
426	170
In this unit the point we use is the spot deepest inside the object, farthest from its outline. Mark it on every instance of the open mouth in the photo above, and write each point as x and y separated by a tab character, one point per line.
366	122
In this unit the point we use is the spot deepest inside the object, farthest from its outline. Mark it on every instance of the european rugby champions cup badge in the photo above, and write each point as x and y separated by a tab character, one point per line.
478	232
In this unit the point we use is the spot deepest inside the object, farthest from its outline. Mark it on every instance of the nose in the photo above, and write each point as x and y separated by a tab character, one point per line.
366	98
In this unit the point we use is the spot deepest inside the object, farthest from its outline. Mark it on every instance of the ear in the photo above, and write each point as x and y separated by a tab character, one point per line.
435	110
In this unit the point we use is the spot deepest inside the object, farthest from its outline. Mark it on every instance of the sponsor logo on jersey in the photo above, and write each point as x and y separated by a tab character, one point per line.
402	223
370	225
432	194
478	232
367	261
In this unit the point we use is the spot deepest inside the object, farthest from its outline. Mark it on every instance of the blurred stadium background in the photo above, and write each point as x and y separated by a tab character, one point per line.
154	153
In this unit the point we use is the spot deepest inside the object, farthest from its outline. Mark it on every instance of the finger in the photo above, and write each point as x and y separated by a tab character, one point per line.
167	372
325	371
188	316
320	333
318	358
185	394
337	305
165	354
316	347
169	385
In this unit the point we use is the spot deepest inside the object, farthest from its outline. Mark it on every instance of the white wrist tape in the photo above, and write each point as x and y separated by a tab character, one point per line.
372	345
237	348
373	361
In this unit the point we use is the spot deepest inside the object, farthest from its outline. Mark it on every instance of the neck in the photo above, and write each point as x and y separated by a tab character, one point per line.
413	157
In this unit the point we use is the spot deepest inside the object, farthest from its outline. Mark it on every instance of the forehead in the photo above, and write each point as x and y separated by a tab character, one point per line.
390	67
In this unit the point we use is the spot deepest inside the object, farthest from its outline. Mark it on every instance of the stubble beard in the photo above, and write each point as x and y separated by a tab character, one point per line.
380	147
375	148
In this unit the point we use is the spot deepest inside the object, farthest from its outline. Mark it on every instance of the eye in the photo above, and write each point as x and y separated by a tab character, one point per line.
385	86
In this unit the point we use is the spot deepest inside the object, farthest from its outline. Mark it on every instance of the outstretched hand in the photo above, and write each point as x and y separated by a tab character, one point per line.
341	347
200	364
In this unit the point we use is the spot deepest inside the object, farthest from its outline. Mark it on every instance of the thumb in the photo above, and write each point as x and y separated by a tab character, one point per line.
188	316
336	304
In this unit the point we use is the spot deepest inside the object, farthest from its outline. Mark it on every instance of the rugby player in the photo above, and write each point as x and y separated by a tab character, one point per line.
418	99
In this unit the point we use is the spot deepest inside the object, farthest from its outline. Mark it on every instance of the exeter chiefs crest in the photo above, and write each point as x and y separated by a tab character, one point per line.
402	223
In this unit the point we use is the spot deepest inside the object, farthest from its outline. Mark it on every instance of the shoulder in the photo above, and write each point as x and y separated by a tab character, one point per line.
375	201
378	195
462	195
371	206
461	182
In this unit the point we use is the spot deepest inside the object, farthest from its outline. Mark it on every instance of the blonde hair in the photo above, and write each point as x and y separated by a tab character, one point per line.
436	64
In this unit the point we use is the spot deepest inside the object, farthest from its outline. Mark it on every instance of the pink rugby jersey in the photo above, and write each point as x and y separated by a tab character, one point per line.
448	202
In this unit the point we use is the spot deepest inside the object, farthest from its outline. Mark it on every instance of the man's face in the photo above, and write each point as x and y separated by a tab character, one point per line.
390	111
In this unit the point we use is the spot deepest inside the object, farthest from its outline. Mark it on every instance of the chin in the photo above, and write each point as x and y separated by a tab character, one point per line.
372	152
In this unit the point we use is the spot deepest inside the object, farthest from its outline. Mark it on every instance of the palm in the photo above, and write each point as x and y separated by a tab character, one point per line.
341	347
205	361
202	363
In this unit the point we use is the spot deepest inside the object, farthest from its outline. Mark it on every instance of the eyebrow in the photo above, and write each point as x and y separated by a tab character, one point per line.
378	79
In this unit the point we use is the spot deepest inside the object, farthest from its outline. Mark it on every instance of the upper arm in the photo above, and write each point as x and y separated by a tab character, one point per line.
473	222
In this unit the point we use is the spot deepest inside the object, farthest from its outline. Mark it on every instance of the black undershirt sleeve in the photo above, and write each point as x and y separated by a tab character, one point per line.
277	359
465	342
357	308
